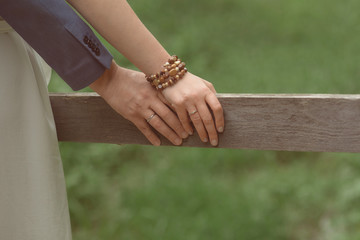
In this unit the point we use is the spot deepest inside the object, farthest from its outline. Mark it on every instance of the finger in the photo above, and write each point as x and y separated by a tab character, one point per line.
208	122
217	109
210	86
198	124
159	125
148	133
169	118
185	120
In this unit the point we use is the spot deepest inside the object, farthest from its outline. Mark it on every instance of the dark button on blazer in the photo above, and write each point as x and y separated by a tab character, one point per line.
59	35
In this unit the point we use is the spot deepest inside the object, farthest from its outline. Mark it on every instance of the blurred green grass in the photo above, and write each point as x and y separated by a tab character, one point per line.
242	46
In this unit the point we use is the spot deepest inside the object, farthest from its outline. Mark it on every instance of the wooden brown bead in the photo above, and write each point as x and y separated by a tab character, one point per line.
173	59
183	65
172	72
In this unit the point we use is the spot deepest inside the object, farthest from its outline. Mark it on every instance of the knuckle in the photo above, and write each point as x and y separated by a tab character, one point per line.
195	117
131	112
168	115
178	102
205	90
213	135
217	107
184	121
207	121
187	96
202	134
178	128
140	99
136	106
156	123
191	96
143	94
130	118
143	129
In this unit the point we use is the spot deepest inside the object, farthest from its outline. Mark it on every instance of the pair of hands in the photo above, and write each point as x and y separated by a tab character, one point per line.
129	94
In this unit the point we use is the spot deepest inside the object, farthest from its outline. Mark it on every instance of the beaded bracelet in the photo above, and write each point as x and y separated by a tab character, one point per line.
173	71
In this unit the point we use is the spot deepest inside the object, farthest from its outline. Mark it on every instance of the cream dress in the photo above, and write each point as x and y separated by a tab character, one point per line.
33	201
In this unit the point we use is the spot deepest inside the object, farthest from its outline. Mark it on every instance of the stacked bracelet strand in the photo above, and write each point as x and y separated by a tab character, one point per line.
173	71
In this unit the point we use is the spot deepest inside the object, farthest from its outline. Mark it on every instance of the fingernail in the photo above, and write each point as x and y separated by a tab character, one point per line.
205	140
214	142
191	133
178	141
157	143
184	135
220	129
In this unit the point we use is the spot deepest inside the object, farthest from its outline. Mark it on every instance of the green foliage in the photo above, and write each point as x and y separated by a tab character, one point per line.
251	46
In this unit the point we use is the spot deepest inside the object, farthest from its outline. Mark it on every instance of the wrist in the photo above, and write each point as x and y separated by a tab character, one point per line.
155	62
99	85
173	70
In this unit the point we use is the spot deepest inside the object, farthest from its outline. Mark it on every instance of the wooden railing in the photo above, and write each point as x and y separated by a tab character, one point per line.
316	122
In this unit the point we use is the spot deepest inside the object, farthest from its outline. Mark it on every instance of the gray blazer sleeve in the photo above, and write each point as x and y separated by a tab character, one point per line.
59	35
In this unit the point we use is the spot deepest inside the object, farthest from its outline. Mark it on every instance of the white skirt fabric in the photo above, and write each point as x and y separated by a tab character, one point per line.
33	199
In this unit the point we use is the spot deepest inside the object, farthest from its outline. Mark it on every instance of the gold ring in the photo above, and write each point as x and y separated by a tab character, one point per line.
151	117
193	112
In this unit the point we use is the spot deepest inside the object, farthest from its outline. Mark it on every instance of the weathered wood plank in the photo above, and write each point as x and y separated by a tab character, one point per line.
316	122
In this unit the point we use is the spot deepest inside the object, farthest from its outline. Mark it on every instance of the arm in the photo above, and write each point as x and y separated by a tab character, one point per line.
119	25
55	31
68	45
116	21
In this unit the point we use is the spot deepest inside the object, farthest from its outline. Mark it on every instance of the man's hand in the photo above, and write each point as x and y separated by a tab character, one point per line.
129	94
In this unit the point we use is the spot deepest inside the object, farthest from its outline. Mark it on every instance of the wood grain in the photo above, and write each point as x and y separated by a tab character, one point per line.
317	122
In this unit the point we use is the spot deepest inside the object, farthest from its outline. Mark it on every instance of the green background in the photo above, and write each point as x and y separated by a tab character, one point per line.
242	46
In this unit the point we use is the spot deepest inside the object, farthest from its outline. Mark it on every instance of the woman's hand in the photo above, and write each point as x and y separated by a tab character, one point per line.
192	98
129	94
